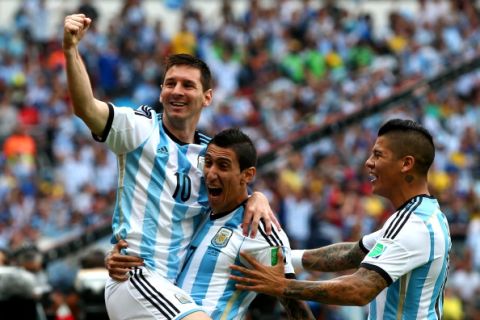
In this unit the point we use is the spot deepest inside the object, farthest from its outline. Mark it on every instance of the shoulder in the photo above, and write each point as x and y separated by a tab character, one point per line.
143	111
146	111
201	138
277	238
412	217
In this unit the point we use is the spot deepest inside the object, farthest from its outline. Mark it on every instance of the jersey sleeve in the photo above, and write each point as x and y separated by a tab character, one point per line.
265	248
368	241
394	256
129	128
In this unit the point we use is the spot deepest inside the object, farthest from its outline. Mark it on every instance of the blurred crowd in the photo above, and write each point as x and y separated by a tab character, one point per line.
281	68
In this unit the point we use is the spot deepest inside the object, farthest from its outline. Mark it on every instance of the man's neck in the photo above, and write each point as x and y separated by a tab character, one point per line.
402	195
230	208
181	131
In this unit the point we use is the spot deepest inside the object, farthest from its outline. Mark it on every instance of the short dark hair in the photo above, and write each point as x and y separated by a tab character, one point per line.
194	62
240	143
408	137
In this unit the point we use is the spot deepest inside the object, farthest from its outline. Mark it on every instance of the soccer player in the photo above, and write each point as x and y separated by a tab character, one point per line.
161	193
229	167
401	268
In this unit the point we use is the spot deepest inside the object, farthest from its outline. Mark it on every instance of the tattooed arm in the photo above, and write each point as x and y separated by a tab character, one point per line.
296	309
335	257
355	289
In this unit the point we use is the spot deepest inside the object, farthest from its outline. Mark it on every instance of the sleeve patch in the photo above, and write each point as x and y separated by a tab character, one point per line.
377	251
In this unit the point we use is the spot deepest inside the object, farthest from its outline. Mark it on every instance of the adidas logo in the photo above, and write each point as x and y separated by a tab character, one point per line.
162	149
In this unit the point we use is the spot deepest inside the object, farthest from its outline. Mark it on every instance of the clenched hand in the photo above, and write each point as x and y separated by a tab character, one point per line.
75	27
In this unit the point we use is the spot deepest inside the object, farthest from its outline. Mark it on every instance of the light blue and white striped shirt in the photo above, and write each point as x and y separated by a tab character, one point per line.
411	252
161	193
215	247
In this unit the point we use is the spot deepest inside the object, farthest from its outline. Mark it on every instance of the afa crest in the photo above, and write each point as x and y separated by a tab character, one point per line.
222	237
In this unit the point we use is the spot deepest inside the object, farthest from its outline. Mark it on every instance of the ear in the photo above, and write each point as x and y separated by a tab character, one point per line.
248	174
408	163
207	97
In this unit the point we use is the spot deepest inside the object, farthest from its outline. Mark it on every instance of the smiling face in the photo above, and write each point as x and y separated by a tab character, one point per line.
226	183
183	97
384	168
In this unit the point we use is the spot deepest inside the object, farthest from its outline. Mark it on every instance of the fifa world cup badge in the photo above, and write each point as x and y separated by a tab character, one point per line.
377	250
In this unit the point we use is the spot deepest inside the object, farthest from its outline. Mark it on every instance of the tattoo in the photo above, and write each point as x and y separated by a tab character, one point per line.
409	178
296	309
356	289
336	257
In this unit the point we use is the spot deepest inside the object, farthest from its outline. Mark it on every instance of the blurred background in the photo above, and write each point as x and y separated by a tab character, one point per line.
309	81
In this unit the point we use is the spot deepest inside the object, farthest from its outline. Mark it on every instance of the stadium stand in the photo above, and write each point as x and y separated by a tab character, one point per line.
309	81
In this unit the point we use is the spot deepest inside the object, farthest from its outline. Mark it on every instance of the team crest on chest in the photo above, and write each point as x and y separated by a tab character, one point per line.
221	238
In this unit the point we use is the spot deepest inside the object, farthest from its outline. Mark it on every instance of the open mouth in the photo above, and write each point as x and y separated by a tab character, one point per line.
178	104
215	191
372	177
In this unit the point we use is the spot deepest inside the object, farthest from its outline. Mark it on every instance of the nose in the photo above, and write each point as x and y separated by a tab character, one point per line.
178	89
210	174
369	163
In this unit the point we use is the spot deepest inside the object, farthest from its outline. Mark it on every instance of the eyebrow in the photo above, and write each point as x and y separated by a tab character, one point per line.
224	158
180	80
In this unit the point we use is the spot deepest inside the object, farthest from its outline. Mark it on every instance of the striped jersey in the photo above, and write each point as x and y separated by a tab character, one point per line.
216	246
411	252
161	192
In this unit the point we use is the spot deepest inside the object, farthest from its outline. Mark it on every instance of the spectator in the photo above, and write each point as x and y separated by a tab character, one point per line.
377	61
18	298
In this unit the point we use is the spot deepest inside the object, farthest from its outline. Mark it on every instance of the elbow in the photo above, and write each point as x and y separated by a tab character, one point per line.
79	113
362	299
83	115
355	301
79	109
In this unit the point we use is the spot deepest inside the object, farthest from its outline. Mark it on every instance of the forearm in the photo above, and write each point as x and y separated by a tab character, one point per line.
84	103
335	257
79	84
337	291
296	309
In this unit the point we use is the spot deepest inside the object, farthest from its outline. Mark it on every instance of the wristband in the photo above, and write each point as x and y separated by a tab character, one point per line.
297	256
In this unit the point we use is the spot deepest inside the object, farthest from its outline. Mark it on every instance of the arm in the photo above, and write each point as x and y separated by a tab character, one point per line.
356	289
257	209
268	256
119	264
297	309
92	111
335	257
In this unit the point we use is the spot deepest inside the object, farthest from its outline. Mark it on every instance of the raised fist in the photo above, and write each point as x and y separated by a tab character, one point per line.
75	26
